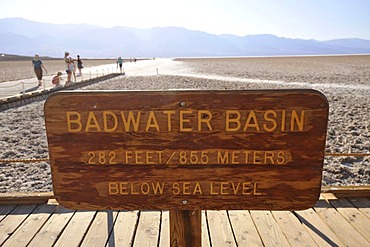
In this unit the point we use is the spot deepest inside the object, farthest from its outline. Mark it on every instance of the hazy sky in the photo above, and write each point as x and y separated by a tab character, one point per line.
307	19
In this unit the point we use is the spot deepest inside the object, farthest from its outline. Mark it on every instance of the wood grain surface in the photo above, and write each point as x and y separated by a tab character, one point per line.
187	150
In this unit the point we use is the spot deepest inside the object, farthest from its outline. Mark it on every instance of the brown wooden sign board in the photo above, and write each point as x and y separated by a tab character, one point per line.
187	150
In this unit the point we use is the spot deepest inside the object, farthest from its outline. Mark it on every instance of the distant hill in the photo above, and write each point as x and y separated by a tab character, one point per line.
23	37
11	57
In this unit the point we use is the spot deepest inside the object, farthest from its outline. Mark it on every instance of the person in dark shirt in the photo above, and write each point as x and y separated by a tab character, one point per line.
79	65
38	67
119	63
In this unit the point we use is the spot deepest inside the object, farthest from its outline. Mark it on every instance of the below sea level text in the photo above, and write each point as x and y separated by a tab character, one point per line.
184	188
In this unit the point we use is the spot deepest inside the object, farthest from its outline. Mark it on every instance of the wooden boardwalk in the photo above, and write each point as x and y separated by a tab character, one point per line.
332	222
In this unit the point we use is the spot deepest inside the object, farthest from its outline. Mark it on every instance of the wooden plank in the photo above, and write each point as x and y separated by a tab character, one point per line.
340	226
270	232
11	222
205	232
25	198
317	228
362	204
100	229
5	210
355	217
244	229
147	233
187	150
164	240
124	229
347	191
76	229
23	235
294	231
11	198
52	229
219	228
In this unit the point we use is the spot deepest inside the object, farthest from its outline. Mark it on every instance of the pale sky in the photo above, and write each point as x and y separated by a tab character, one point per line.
306	19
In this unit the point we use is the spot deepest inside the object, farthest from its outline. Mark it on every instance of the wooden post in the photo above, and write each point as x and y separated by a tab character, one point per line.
186	228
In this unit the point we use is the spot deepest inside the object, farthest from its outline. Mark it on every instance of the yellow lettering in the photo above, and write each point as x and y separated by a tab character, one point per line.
183	121
145	188
197	189
129	155
211	190
203	119
222	158
247	153
112	188
92	123
160	156
183	188
234	157
299	121
235	189
232	121
139	157
269	155
132	189
105	121
281	158
224	188
247	188
131	121
169	119
152	122
186	188
158	188
255	190
271	120
251	117
72	122
123	188
257	157
149	157
176	188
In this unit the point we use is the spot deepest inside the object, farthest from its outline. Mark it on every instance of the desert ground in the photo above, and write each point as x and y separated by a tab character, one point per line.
344	80
309	69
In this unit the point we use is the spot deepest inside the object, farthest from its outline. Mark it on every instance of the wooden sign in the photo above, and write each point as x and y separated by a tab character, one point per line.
187	150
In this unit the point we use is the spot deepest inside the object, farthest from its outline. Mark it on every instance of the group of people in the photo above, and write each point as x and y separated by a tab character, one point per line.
70	69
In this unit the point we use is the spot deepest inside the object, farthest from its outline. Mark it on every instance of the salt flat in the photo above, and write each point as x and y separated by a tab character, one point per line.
345	81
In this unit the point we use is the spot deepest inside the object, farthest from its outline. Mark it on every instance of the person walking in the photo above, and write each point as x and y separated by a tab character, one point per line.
119	63
38	68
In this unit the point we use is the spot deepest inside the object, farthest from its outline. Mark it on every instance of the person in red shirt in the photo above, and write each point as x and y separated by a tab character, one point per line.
56	79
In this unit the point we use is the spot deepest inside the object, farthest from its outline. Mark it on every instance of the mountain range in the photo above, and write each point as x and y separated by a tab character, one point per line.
24	37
